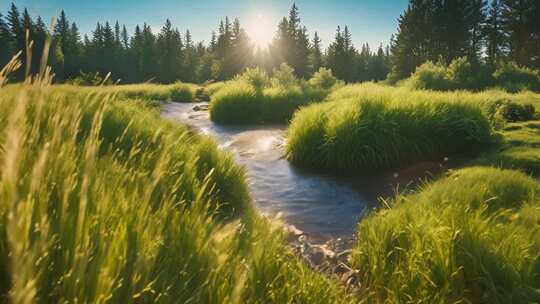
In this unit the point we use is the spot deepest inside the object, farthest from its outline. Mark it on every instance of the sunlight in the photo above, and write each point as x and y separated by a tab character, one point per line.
260	30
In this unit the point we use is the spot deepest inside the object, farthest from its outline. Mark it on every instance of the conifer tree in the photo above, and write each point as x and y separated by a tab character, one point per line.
520	23
494	34
40	37
5	40
16	31
316	57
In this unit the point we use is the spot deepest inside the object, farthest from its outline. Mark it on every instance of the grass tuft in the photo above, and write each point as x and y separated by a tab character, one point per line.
370	127
471	237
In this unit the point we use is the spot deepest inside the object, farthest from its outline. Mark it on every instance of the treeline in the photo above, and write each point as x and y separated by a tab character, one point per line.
487	33
171	55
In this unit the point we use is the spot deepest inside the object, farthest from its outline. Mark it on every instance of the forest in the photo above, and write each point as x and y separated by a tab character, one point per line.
142	166
487	33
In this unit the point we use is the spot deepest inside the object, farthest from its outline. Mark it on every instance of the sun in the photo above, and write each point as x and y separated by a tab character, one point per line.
260	30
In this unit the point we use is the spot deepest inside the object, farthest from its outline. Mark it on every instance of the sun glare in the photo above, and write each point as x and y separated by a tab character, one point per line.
260	30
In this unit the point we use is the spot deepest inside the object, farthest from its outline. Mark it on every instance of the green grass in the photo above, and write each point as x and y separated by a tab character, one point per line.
103	201
519	148
472	237
368	127
254	98
177	92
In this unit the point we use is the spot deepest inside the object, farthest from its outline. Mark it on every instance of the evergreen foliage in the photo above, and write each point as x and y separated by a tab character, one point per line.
169	56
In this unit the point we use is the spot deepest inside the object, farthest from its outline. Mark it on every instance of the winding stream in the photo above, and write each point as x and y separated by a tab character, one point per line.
324	207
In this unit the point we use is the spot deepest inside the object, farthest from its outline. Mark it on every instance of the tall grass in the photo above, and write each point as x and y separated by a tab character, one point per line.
256	98
472	237
177	92
103	201
370	127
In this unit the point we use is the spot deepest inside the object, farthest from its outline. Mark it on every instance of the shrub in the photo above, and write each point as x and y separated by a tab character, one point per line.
458	75
181	92
90	79
281	102
512	112
369	127
514	78
213	88
431	76
323	79
238	102
249	99
255	77
284	76
470	237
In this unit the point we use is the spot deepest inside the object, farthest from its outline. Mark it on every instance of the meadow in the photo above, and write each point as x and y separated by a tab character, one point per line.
467	236
369	127
104	201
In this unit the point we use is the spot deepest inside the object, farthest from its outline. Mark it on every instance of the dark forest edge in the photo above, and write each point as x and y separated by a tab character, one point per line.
490	35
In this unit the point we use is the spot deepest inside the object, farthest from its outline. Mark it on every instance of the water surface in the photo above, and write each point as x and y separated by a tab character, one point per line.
324	207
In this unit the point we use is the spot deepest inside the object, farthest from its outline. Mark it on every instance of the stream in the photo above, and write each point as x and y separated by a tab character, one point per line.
324	207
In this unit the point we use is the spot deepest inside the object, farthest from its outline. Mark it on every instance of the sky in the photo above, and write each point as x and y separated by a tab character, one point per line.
372	21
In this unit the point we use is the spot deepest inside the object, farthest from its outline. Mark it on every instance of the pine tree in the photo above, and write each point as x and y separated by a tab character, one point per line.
5	40
149	54
16	30
60	46
169	59
280	45
189	70
302	53
213	42
40	37
28	24
109	50
136	50
74	51
124	38
291	44
240	52
521	29
315	58
494	34
96	53
476	18
378	67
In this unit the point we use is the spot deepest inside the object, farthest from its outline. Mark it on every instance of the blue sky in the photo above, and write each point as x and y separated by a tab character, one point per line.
371	21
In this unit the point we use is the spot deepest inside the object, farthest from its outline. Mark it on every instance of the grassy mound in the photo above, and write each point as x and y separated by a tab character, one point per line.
255	98
102	201
519	148
472	237
370	127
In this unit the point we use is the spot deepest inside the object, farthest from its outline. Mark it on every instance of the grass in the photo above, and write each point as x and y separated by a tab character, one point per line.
472	237
368	127
177	92
103	201
519	148
255	98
